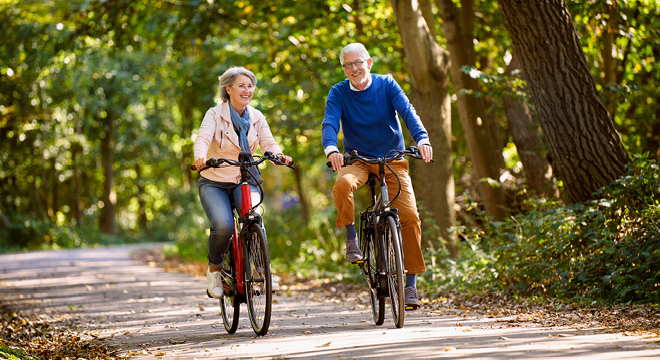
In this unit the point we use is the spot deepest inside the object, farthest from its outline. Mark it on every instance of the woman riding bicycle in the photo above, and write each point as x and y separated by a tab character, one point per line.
365	107
228	129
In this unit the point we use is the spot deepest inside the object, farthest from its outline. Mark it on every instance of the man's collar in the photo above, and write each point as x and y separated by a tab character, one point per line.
365	88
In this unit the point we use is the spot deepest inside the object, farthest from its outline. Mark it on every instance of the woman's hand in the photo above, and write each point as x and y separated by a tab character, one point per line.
200	163
285	159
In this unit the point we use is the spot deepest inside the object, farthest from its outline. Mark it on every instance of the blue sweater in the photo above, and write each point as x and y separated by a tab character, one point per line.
368	118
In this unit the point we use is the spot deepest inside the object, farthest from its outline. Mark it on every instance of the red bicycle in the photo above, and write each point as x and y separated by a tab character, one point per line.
246	274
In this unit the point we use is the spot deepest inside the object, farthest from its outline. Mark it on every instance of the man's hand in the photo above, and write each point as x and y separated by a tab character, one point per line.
427	152
337	160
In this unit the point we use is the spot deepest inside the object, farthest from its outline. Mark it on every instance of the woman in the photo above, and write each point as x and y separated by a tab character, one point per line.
227	129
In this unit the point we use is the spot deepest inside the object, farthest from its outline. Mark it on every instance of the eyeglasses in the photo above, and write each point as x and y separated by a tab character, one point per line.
357	63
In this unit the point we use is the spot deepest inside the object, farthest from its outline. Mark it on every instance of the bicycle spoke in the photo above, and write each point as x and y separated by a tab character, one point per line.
394	268
229	306
371	274
258	280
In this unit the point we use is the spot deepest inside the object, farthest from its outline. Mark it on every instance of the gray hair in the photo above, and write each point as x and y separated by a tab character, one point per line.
354	48
228	78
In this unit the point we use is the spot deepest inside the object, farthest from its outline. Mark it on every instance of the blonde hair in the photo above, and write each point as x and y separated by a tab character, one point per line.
228	78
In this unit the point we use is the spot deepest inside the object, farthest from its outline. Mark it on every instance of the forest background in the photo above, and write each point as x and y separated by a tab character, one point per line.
544	118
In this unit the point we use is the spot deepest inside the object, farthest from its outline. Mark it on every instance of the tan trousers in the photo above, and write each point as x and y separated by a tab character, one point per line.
350	178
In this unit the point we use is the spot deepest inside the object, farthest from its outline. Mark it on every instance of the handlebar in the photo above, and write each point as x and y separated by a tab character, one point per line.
390	156
244	160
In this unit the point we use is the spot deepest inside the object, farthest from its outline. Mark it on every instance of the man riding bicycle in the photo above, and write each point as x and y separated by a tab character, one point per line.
366	107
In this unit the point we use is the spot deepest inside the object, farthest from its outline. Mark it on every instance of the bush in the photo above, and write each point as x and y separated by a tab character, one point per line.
606	250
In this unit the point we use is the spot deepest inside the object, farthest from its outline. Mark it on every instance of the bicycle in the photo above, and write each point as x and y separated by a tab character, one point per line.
380	239
246	274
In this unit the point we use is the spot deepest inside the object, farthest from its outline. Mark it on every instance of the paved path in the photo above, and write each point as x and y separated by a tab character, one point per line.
155	314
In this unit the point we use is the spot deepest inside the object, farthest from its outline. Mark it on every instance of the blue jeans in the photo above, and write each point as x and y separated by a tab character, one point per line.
218	200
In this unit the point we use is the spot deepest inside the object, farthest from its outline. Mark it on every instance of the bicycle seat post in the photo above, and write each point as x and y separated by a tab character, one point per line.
383	186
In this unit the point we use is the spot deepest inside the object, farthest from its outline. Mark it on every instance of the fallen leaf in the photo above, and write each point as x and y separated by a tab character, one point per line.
325	345
449	348
306	332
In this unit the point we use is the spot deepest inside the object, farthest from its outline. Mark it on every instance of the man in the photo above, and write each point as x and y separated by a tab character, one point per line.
365	106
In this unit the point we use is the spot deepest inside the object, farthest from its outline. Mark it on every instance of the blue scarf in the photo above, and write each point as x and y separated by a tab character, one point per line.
242	124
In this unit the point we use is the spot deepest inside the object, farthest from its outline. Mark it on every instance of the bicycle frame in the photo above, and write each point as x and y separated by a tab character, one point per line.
246	276
379	210
246	212
246	217
380	238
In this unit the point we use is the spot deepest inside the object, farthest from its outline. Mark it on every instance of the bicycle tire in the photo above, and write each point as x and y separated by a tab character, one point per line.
370	273
258	282
394	270
230	307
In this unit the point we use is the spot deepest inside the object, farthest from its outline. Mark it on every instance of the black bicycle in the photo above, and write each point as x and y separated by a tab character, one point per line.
246	274
380	239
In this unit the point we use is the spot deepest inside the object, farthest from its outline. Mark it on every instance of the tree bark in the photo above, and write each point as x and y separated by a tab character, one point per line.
609	76
586	149
107	159
187	152
485	151
298	176
430	81
142	207
76	149
526	135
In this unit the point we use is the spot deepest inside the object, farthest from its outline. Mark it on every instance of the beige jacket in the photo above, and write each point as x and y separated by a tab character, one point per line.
218	139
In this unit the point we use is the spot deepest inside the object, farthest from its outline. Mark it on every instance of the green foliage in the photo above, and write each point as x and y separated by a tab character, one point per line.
142	74
496	86
14	354
606	250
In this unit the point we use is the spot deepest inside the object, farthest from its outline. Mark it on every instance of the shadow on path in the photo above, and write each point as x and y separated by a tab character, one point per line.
149	312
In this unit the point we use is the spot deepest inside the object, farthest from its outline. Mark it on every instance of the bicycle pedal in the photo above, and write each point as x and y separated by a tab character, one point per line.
411	307
358	262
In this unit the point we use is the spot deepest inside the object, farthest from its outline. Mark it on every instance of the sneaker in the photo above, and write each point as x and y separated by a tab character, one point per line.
214	284
276	285
353	252
411	297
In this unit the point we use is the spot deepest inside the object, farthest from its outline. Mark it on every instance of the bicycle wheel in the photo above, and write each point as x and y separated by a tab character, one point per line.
370	273
258	283
230	306
394	269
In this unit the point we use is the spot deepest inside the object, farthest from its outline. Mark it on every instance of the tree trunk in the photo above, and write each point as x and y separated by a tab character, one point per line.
142	208
55	192
485	151
107	159
608	54
187	152
586	149
430	81
76	149
304	202
526	135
